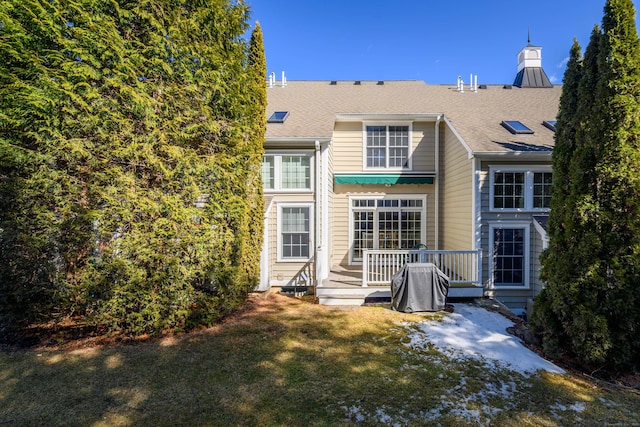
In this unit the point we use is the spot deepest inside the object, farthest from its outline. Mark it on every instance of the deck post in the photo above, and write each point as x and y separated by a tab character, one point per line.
365	267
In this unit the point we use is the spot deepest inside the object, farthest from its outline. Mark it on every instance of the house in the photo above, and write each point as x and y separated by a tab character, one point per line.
362	176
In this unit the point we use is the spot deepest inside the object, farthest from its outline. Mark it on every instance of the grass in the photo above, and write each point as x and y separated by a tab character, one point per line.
281	361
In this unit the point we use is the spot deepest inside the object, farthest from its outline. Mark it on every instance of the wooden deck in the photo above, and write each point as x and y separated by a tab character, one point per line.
344	287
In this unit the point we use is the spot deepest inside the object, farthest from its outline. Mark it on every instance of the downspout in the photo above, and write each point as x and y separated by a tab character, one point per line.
436	245
317	245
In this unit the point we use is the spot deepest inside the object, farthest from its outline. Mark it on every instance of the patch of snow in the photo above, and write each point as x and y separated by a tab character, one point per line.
578	406
476	333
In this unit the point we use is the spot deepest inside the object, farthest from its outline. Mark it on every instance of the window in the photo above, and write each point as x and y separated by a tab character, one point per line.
287	171
387	147
268	172
541	190
515	127
550	124
386	223
520	189
278	117
509	256
294	232
508	190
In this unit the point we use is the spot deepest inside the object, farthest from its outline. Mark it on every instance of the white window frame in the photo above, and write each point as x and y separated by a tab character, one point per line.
409	167
375	209
526	226
528	171
281	206
277	171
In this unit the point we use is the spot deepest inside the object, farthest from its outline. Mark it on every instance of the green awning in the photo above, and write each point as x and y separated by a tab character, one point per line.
381	179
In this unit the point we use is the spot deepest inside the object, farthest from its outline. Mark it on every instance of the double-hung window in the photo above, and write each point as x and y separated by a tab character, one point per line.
520	189
509	255
387	147
294	232
290	171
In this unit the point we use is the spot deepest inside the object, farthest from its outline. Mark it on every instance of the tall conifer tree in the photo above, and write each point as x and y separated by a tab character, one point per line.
257	71
119	192
591	307
555	258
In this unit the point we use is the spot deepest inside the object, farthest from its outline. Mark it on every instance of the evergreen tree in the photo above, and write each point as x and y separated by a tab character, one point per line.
257	71
591	307
556	259
119	190
617	182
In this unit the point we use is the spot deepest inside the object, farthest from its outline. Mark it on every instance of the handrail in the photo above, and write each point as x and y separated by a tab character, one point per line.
464	267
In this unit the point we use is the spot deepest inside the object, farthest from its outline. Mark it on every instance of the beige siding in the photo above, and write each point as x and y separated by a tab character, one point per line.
456	193
283	271
348	147
330	202
340	213
423	147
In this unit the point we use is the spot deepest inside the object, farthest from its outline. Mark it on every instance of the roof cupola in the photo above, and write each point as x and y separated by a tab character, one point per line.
530	72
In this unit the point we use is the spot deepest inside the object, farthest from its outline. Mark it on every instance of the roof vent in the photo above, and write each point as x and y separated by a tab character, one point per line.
333	82
507	87
357	83
380	82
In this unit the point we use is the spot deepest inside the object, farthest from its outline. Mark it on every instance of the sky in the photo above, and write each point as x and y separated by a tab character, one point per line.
434	41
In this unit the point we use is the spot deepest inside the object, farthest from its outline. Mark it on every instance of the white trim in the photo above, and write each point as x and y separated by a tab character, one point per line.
528	171
296	140
308	205
526	226
543	234
358	117
436	181
351	197
476	212
323	259
277	171
409	150
466	146
531	156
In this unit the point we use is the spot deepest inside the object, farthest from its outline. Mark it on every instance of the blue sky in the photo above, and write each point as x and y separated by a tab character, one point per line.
428	40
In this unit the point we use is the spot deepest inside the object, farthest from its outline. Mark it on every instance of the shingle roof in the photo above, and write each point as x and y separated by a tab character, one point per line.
542	220
314	105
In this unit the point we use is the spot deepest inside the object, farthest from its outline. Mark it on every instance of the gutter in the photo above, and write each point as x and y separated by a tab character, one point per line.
500	155
317	246
437	182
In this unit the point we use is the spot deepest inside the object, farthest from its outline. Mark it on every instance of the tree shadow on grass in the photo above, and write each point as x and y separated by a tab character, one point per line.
278	361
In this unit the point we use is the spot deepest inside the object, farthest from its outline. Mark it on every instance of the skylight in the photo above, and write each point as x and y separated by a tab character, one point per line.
551	124
278	117
514	126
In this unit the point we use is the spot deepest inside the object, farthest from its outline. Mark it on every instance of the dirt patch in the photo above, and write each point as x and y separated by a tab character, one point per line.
73	334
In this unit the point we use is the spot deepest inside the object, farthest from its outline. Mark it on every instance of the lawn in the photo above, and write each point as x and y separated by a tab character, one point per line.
285	362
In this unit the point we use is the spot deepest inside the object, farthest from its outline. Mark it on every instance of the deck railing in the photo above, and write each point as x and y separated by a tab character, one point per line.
462	267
